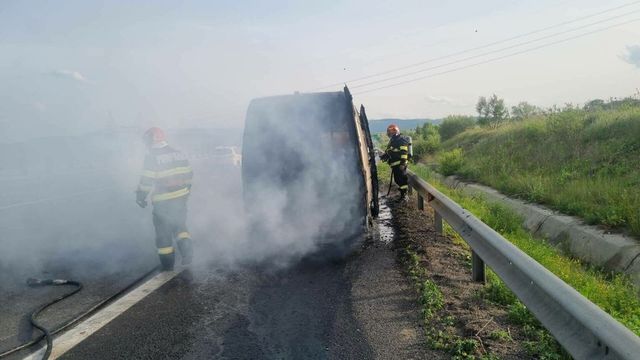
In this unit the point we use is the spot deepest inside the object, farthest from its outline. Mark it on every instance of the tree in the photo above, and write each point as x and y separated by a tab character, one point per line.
491	112
426	140
595	105
454	124
524	110
497	109
426	129
482	107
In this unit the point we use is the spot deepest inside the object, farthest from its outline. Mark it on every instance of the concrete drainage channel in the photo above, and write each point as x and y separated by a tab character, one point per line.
613	252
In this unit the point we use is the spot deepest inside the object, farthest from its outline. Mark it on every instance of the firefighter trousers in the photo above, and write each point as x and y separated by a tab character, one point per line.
170	222
400	177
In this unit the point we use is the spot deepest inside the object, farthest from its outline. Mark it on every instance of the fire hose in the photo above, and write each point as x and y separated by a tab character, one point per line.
390	183
44	282
46	333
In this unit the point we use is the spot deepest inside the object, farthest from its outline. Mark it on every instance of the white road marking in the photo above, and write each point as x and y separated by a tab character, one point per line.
83	330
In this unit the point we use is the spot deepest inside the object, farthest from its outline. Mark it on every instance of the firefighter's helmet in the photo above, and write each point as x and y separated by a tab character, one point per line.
154	136
393	129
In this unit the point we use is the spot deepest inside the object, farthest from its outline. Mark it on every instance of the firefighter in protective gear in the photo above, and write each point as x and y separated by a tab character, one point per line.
397	155
167	176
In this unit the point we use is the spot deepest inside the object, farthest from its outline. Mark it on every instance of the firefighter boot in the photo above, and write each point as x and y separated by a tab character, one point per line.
166	261
186	250
403	195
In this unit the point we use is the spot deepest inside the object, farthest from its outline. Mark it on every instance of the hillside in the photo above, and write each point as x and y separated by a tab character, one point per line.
581	162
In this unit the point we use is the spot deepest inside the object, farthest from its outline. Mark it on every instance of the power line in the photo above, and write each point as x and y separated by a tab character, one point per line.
492	51
497	58
478	47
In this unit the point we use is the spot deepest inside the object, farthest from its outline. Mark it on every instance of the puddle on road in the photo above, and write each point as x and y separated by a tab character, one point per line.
385	225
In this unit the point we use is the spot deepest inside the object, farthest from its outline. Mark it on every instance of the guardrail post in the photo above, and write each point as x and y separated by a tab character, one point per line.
437	218
477	268
420	202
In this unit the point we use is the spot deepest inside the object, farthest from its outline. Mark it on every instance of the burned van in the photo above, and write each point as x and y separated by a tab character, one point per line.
308	172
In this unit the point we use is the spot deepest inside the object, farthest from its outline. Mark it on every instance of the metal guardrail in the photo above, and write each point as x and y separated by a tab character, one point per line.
583	329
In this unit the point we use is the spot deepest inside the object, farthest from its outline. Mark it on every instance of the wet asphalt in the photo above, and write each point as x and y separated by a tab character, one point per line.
303	312
360	307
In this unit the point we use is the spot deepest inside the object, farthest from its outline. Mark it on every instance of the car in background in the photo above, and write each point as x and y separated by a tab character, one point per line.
225	155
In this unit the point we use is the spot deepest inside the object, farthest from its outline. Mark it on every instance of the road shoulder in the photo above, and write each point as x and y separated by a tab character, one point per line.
385	305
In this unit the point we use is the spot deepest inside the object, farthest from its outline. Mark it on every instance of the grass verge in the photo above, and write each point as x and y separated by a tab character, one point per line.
435	318
614	293
582	163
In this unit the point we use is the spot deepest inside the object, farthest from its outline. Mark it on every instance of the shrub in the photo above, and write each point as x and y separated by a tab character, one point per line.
451	161
454	125
423	147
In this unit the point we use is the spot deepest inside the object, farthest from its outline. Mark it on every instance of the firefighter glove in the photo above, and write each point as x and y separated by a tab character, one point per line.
141	199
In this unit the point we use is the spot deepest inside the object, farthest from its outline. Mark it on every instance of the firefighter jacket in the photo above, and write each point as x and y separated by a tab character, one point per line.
397	152
167	172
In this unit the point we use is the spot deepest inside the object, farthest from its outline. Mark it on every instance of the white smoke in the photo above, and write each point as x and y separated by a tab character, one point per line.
305	191
70	201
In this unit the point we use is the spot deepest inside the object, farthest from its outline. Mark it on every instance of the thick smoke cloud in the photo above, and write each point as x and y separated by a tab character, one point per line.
65	206
69	206
302	193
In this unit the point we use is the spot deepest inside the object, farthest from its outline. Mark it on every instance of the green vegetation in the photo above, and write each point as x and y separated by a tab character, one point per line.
384	174
539	341
464	349
432	301
426	141
450	161
500	335
429	295
582	162
491	112
524	110
615	294
454	125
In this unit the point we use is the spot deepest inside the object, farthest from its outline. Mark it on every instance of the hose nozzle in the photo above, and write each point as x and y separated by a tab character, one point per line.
33	282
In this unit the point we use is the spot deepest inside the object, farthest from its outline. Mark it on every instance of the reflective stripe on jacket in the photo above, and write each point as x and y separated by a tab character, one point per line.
167	172
398	150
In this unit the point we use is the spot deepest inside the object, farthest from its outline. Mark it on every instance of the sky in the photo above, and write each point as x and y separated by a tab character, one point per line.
70	67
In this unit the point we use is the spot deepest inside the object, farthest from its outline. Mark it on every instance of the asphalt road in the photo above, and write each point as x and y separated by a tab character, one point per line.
98	238
302	312
359	308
